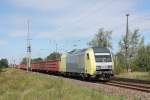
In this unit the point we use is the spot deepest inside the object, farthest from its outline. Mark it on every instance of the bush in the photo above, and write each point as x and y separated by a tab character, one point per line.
149	72
3	63
119	64
54	56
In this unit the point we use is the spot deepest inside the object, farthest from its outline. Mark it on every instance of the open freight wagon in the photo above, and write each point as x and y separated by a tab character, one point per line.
48	66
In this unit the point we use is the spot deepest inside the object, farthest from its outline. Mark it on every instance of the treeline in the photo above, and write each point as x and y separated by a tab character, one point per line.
51	56
139	62
137	57
138	54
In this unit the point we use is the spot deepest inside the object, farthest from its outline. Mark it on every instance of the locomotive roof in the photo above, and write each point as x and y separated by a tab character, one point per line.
95	49
101	50
77	51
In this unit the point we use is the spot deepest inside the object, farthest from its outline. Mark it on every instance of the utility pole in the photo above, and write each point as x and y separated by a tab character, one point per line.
56	51
14	65
126	42
28	49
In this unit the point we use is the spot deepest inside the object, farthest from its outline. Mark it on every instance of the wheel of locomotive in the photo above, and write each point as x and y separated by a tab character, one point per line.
85	77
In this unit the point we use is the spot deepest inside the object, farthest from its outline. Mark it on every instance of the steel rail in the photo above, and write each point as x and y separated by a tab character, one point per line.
140	85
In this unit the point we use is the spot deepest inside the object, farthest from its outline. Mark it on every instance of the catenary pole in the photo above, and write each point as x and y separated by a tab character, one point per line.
28	48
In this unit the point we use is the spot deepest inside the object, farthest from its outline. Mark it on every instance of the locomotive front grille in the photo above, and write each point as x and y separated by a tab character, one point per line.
103	67
108	71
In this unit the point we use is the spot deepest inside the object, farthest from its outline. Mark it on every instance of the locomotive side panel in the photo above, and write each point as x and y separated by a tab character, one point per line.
90	65
75	63
62	64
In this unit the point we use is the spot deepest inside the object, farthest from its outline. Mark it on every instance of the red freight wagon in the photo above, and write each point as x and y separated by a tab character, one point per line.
35	66
52	65
42	65
23	66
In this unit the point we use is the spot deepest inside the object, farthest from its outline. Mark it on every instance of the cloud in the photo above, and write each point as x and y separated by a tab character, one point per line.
75	18
18	33
3	42
67	21
141	22
42	5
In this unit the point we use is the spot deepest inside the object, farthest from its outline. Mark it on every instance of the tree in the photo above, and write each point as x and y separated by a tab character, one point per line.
37	59
24	60
119	63
143	58
134	41
141	44
54	56
102	39
3	63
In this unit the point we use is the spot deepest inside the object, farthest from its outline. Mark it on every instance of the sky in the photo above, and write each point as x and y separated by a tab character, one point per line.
68	23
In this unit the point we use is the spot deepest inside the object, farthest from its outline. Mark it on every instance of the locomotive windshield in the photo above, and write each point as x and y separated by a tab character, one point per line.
103	58
102	54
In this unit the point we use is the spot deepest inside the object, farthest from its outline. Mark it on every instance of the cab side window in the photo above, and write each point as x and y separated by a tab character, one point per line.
88	57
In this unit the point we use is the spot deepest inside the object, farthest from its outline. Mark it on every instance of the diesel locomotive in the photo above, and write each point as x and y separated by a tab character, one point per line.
94	62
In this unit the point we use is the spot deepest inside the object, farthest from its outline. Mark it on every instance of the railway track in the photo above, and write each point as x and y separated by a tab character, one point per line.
133	84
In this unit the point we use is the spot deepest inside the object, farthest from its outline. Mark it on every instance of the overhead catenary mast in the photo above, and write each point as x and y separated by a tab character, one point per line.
28	48
56	51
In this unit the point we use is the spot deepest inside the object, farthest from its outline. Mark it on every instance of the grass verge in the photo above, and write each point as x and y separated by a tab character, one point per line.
16	84
135	75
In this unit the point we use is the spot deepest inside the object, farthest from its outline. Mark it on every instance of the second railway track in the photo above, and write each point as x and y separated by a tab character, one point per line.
139	85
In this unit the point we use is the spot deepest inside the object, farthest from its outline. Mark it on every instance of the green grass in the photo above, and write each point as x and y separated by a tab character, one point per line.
136	75
16	84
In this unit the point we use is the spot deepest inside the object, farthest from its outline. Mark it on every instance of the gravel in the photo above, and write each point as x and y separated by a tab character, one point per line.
110	90
113	90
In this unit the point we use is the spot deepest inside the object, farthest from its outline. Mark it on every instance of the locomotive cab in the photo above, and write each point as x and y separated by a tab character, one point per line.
99	63
103	64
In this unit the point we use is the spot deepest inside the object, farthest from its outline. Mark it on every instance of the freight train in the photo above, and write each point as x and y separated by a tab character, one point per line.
93	62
